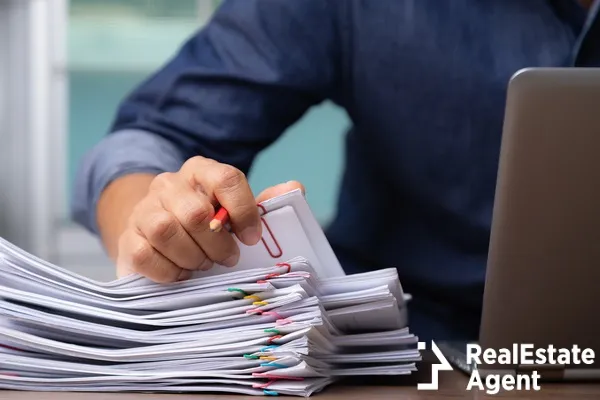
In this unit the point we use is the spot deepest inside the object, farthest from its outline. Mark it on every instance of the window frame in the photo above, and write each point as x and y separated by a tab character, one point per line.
72	246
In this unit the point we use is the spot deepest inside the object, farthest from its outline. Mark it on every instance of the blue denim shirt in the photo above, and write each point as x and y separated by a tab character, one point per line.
423	82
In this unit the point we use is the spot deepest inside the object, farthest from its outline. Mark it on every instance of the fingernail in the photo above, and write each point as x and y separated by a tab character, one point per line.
232	260
250	235
184	275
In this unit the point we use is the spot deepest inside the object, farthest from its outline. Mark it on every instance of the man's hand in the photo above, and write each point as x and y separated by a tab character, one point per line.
166	235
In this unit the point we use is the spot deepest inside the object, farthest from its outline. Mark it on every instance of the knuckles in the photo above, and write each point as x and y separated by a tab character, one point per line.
197	215
230	177
162	229
141	255
162	181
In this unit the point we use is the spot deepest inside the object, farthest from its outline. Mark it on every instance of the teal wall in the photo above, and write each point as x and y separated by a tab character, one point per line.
310	151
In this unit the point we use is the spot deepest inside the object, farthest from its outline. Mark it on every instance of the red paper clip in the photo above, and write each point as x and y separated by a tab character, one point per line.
272	253
264	385
272	338
289	267
277	377
10	348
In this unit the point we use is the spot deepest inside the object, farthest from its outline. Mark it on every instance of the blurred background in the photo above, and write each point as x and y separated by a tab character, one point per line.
64	67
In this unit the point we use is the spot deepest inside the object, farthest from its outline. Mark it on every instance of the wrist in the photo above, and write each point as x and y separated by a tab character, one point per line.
115	205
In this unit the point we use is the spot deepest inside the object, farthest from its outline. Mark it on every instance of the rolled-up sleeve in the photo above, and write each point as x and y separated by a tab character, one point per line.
229	92
127	152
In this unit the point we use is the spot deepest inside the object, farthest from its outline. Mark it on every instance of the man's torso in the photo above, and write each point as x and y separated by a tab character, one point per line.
425	84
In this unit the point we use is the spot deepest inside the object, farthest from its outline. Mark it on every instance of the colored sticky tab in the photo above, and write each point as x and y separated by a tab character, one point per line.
260	303
272	364
232	289
250	357
269	347
270	392
252	297
268	358
272	330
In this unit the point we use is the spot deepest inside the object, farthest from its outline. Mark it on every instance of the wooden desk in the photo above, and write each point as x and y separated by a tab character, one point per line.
452	386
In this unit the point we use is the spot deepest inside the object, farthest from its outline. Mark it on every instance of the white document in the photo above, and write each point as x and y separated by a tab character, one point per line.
289	229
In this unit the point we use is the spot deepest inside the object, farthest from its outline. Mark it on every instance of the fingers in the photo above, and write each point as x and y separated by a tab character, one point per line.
280	189
164	232
137	255
194	211
168	236
227	186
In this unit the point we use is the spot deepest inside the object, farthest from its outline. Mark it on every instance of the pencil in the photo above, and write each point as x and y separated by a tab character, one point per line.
220	219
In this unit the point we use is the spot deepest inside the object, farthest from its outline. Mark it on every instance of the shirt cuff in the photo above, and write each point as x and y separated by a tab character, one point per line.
118	154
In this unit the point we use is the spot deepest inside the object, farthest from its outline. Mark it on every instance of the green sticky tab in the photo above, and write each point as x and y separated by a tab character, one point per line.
272	330
232	289
250	357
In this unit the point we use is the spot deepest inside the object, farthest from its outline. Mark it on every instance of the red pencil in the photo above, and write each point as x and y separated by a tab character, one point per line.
219	220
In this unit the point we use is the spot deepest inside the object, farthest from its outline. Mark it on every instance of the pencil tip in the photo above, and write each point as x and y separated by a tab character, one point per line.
215	226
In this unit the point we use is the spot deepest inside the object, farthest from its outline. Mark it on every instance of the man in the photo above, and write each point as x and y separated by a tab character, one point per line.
422	80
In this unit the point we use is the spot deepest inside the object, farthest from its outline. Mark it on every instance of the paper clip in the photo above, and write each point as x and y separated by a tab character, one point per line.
268	375
237	290
289	267
252	297
273	313
270	392
264	385
272	253
10	348
260	303
272	338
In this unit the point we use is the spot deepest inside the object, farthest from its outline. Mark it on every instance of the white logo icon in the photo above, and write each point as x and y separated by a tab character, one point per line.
443	365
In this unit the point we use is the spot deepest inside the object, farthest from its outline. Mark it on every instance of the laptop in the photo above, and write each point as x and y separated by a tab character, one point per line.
542	287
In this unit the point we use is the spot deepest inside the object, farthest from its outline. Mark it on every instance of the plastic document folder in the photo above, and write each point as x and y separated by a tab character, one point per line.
286	321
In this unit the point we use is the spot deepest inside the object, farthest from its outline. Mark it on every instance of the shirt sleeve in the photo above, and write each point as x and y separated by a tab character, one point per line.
229	92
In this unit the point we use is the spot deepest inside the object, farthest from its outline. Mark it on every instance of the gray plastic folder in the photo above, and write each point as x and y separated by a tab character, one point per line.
287	321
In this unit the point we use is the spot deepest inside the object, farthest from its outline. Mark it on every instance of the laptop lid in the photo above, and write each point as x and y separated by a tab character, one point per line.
543	275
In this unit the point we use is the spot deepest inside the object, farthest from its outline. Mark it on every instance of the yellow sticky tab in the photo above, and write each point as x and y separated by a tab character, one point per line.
260	303
252	297
268	358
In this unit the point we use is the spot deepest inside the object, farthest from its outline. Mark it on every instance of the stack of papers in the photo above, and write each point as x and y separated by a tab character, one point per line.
282	329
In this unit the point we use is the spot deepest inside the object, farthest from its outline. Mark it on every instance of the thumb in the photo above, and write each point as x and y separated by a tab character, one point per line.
280	189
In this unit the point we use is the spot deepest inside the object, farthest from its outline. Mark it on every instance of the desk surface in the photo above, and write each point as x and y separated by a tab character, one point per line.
452	386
